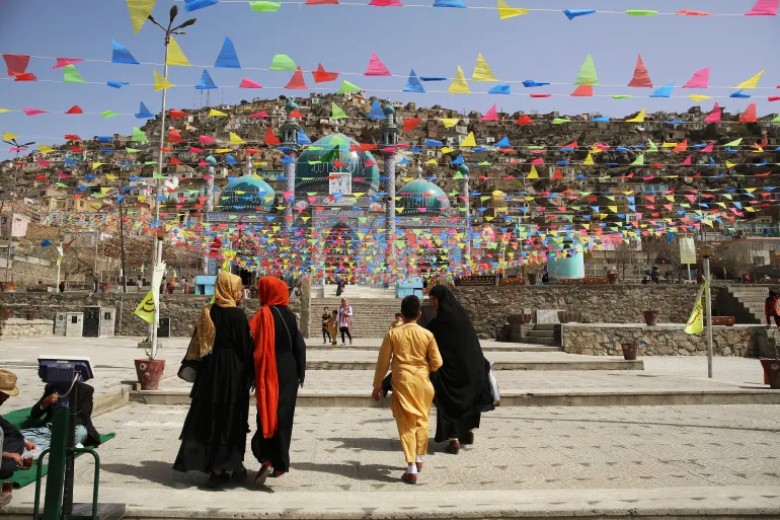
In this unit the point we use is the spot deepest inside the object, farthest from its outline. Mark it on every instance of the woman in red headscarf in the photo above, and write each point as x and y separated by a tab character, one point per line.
280	367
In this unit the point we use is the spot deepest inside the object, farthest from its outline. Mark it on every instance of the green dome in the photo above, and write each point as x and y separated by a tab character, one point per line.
423	194
246	194
312	172
389	110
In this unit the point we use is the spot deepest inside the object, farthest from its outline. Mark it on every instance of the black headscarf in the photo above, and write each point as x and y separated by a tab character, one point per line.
459	384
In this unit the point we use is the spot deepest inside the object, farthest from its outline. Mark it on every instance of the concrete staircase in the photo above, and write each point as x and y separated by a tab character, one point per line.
352	292
749	299
541	334
372	316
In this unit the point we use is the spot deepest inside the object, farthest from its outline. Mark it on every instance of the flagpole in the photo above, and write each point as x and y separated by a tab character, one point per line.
706	251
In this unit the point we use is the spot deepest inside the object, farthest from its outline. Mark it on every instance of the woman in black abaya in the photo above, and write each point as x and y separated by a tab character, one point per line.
461	384
213	439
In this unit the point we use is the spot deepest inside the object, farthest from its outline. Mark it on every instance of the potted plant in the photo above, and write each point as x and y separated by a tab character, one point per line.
630	350
612	277
31	313
651	316
149	371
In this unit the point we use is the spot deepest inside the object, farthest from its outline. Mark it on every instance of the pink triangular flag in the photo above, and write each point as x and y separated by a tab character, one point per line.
714	116
248	83
687	161
386	3
707	149
63	62
491	114
641	78
33	111
764	8
258	115
700	79
206	139
376	67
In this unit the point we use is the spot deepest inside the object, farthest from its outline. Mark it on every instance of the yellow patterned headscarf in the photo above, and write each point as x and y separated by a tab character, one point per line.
227	293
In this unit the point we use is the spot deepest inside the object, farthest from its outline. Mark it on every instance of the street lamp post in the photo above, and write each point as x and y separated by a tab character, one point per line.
706	252
158	241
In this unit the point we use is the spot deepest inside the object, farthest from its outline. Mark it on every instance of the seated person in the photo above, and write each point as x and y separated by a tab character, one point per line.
85	433
13	442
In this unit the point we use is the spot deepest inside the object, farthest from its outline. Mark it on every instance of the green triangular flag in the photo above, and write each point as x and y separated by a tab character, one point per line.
138	136
641	12
560	121
336	112
639	161
132	150
651	146
71	75
776	119
587	74
282	62
622	96
108	113
735	142
265	7
347	87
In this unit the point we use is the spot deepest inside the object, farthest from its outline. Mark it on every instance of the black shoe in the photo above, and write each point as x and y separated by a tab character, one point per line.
216	481
453	447
238	477
467	439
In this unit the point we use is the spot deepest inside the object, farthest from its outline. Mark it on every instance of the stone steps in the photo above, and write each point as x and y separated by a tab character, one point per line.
752	299
371	316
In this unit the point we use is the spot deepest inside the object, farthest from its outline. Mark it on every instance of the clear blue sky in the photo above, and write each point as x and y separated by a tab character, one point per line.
539	46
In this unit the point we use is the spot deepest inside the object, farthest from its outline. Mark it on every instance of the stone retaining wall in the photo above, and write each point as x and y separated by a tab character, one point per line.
20	328
182	309
662	340
489	307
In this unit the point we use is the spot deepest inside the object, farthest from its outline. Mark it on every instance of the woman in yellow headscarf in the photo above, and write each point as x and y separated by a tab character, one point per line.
213	439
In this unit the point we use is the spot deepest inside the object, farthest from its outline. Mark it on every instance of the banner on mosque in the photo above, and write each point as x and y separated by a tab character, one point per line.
476	281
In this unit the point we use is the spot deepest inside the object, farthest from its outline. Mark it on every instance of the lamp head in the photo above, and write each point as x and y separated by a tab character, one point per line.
174	12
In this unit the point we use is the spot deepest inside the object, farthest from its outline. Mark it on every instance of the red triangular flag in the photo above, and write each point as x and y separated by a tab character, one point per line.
641	78
749	115
682	147
16	63
410	123
174	161
321	75
297	82
258	115
295	114
524	120
72	137
322	2
558	175
174	136
25	76
583	91
248	83
270	138
75	109
62	62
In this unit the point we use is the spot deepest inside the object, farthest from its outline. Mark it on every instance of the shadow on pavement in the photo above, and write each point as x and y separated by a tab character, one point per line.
355	470
368	443
159	472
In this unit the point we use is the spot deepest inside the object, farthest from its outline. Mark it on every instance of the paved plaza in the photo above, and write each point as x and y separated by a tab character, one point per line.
722	461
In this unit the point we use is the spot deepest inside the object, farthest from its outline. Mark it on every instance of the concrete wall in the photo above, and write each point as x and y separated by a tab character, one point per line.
662	340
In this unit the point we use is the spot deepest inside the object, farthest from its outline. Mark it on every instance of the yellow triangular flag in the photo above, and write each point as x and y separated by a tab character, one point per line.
699	97
160	82
469	141
235	139
695	323
482	70
730	164
588	160
7	136
139	12
145	309
176	56
459	84
504	11
449	122
640	117
752	82
533	174
45	149
216	113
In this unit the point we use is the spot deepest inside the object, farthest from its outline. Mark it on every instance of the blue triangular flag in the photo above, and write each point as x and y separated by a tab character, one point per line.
105	139
529	83
206	83
303	138
120	54
433	142
45	242
117	84
448	3
665	91
601	119
499	89
413	84
376	111
288	160
143	112
503	143
431	78
194	5
571	14
739	94
227	59
458	160
230	160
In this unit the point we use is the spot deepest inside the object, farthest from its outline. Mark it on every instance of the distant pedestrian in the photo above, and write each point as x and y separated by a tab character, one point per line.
414	355
140	284
62	286
325	333
184	286
655	274
340	284
771	310
333	327
345	320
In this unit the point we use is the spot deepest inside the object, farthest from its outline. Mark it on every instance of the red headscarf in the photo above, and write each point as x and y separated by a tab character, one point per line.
272	292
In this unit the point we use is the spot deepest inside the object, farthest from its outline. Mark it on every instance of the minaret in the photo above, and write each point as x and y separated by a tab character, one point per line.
388	142
289	131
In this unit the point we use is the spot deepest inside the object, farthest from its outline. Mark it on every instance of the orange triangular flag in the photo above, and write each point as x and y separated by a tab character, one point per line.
682	147
297	82
321	75
749	115
524	120
75	109
174	136
641	77
410	123
270	138
583	91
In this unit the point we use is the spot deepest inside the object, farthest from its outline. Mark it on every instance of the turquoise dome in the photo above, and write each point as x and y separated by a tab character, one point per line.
248	194
423	194
314	177
389	110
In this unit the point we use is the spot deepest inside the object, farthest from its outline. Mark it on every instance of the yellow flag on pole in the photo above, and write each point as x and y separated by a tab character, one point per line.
145	309
695	323
176	55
